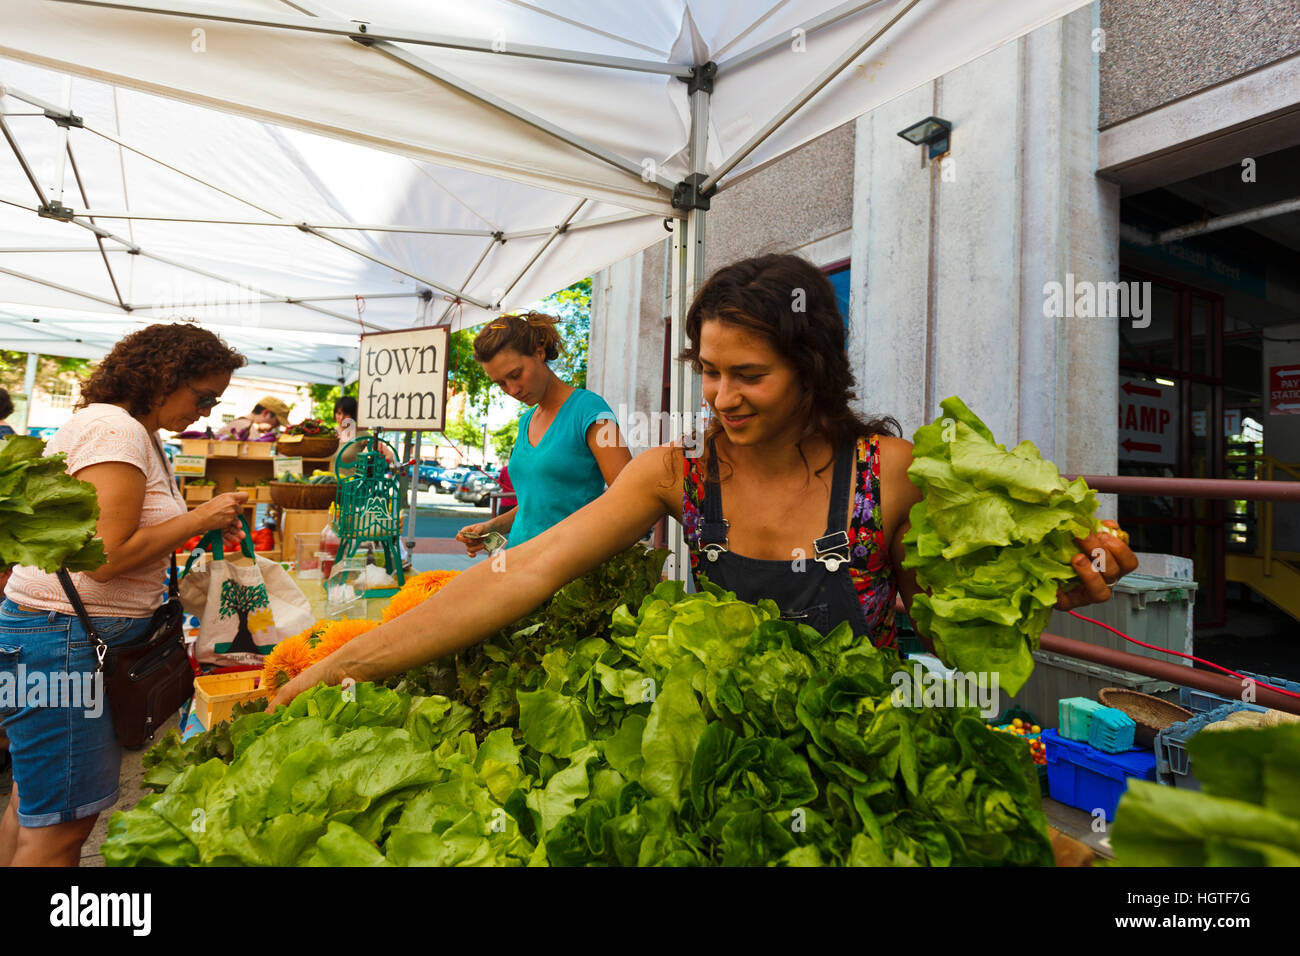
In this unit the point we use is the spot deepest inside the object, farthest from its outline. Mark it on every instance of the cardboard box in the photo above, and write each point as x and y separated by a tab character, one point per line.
295	521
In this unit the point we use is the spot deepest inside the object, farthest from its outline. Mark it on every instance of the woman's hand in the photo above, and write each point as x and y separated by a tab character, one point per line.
322	672
1102	560
222	513
466	536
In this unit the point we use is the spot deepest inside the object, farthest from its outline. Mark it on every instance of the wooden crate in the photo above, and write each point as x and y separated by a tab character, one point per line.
257	449
194	446
194	493
263	494
215	695
250	490
224	449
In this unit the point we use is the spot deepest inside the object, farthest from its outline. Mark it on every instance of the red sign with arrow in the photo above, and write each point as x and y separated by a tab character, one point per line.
1148	421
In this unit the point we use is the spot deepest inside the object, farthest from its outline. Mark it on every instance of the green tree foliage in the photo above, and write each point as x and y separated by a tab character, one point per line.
503	439
466	430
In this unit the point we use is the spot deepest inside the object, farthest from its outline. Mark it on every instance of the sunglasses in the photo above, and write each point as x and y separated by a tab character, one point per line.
203	400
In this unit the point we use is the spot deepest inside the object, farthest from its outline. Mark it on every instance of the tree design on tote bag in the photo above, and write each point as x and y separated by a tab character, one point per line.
240	600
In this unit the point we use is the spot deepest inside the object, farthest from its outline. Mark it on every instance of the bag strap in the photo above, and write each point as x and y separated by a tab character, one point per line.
212	541
75	600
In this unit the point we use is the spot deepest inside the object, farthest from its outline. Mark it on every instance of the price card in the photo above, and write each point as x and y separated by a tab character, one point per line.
283	464
192	466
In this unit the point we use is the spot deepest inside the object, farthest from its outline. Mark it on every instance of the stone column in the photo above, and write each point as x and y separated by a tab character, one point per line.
950	259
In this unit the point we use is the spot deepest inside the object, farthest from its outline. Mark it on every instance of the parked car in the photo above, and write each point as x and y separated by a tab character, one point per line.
451	478
430	475
477	489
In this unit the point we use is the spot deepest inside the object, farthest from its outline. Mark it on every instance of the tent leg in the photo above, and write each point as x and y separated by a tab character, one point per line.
688	273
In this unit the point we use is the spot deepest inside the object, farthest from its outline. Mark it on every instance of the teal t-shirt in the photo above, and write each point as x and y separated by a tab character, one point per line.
556	477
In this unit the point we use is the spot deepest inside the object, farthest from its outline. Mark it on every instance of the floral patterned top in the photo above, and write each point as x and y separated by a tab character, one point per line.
871	570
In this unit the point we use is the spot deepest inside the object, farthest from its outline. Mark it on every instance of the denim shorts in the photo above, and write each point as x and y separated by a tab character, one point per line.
66	758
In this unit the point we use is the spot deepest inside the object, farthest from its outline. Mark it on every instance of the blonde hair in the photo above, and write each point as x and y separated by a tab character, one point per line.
525	333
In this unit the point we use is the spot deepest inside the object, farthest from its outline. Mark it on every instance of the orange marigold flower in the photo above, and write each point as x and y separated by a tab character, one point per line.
418	588
286	661
337	633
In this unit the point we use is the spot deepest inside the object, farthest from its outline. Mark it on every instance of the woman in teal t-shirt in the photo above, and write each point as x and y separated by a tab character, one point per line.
569	447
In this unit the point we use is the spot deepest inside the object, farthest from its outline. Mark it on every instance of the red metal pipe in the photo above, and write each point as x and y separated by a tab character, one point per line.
1242	489
1181	674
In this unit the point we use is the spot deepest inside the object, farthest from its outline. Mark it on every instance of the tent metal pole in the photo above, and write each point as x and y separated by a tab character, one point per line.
585	224
29	385
442	319
60	162
806	94
688	273
782	42
434	72
282	223
391	265
26	249
545	245
361	30
62	288
22	160
81	188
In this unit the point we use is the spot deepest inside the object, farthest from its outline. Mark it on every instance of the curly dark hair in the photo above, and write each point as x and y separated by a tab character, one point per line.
790	303
152	363
6	405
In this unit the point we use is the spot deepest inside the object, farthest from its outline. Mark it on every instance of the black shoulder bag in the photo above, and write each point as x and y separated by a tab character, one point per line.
149	679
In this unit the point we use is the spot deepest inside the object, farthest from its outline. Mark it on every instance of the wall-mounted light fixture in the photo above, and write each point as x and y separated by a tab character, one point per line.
932	132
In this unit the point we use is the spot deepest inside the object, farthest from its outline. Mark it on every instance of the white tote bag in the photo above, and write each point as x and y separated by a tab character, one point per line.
243	610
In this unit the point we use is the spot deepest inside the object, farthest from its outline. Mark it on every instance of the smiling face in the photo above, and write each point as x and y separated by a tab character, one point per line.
750	386
192	400
522	377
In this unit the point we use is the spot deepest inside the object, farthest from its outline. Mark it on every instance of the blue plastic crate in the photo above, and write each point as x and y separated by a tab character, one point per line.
1084	777
1173	767
1201	701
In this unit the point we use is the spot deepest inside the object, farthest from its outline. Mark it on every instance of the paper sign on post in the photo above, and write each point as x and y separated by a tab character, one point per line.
403	379
192	466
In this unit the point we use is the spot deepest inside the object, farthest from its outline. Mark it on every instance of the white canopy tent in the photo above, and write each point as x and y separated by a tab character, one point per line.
530	118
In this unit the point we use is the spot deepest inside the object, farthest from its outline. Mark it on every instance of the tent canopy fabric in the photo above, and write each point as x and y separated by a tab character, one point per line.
259	165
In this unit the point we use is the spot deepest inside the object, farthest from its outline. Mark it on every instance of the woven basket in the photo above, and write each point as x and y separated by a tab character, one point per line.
311	446
304	497
1151	714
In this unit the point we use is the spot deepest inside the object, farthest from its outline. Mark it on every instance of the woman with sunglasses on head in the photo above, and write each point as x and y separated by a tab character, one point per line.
66	759
788	470
569	447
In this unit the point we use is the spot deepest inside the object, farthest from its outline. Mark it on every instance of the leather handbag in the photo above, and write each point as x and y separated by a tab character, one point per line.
149	679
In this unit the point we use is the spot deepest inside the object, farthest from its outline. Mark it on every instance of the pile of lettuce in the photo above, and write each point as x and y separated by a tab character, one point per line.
991	541
47	517
692	730
1248	813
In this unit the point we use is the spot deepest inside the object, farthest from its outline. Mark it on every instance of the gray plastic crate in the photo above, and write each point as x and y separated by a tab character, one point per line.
1173	764
1153	609
1199	701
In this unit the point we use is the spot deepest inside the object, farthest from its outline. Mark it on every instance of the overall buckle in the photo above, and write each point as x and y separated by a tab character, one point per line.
832	550
712	549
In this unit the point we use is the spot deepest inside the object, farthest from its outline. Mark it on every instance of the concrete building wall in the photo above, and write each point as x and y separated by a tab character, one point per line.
950	260
1158	51
803	203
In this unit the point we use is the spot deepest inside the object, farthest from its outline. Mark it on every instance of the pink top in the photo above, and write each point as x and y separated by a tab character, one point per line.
94	434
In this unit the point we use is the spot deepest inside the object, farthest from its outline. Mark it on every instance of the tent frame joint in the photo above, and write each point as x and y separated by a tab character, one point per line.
55	210
688	195
701	78
68	120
